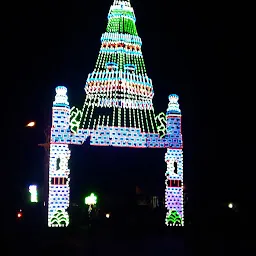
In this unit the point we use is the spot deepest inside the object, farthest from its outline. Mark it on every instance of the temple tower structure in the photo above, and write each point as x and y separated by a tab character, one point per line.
117	111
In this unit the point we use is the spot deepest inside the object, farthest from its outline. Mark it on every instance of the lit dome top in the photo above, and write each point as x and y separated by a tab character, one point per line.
61	90
173	106
61	98
173	98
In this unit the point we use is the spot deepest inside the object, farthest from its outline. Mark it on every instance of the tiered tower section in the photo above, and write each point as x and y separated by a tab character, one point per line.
118	92
59	191
174	160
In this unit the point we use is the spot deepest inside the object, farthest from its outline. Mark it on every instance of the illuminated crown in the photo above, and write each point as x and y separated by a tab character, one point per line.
173	106
61	90
61	98
124	2
173	98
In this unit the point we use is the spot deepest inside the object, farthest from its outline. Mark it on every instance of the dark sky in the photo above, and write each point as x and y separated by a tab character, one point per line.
192	49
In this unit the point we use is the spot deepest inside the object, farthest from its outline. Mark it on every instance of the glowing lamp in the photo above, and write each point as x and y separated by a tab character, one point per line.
230	205
91	199
33	193
31	124
19	214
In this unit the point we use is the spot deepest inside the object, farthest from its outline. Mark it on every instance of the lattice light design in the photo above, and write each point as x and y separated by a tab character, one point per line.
161	124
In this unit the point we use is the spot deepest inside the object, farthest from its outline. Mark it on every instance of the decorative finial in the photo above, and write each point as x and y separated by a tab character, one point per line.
173	106
61	98
122	2
173	98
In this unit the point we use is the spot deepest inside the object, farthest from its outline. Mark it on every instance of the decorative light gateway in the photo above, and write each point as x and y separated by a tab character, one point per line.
118	111
33	193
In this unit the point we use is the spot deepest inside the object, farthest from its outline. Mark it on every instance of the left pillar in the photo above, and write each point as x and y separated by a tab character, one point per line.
59	189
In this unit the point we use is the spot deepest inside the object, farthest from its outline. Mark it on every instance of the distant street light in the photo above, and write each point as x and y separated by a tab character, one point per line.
31	124
91	200
19	214
46	146
230	205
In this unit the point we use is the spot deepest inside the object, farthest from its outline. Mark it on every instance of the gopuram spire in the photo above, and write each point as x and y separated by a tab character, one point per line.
118	92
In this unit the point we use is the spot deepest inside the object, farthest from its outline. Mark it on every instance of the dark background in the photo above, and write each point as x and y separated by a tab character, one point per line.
190	48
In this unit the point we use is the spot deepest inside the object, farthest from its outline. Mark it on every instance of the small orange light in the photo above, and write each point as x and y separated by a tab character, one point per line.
31	124
19	215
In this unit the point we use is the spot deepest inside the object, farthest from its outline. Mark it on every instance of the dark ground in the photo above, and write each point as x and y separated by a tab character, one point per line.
106	240
223	233
81	243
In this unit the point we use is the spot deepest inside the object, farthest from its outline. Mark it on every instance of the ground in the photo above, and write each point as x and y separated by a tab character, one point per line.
133	242
222	235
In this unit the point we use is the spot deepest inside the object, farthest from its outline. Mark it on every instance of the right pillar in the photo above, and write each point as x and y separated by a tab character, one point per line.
174	160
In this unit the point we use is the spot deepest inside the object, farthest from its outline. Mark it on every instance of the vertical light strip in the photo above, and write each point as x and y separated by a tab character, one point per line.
146	118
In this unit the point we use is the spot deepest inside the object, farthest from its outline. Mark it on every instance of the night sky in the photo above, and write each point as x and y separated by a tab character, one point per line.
192	49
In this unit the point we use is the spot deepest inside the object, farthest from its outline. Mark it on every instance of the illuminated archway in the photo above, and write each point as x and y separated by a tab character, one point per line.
118	111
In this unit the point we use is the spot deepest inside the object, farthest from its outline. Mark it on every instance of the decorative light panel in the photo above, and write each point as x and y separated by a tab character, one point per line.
33	194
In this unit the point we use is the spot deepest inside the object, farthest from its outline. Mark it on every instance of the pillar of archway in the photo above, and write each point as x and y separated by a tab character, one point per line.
174	160
59	188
